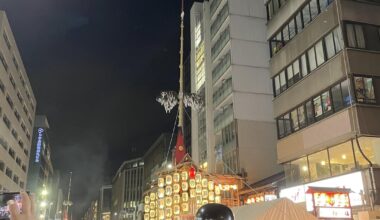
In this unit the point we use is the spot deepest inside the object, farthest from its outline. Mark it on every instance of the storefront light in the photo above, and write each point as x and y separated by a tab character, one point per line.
323	163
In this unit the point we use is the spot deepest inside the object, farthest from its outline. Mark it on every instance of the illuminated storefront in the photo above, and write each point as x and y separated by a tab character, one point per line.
178	193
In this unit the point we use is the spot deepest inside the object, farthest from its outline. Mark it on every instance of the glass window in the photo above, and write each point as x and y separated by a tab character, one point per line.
304	65
368	145
319	165
319	52
323	4
306	15
318	111
337	97
283	81
359	36
326	102
347	100
299	171
299	22
312	61
287	124
330	48
338	39
313	8
276	6
294	117
355	36
309	112
342	158
364	90
270	10
285	33
292	28
289	71
281	127
301	116
350	35
277	85
296	71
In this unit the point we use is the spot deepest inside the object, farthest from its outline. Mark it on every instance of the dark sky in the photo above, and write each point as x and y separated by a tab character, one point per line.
96	67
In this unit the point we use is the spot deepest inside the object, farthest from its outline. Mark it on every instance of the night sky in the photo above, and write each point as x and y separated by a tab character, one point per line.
96	67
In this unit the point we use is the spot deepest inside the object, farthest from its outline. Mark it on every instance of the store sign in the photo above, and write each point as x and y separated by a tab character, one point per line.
353	181
341	213
39	144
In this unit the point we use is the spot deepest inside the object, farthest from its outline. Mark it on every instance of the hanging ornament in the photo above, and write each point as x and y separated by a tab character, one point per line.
192	173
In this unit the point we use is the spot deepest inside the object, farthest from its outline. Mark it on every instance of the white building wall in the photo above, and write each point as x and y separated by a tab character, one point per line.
23	87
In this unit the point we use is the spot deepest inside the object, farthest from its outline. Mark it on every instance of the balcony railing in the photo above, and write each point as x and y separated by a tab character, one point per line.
221	67
222	16
222	92
220	43
224	118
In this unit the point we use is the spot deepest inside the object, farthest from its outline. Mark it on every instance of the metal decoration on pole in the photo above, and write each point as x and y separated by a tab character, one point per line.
67	202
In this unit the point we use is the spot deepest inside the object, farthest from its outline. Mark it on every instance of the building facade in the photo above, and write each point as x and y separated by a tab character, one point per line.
325	73
155	157
17	111
104	203
235	131
127	189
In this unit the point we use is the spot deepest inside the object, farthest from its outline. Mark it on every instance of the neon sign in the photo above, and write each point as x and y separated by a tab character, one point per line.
39	144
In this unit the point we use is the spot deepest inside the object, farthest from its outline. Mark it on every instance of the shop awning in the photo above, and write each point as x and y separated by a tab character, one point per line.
280	209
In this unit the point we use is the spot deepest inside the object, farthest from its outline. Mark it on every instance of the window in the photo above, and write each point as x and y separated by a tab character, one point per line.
20	97
6	121
312	61
18	161
5	65
323	4
304	65
341	158
12	81
6	40
277	85
296	71
25	109
337	98
355	36
15	62
15	179
22	185
319	52
283	81
326	102
319	165
14	133
313	8
30	120
347	100
289	72
317	106
12	153
21	144
26	152
28	135
330	48
23	167
284	125
10	102
8	172
294	117
17	115
364	90
2	87
310	112
306	15
2	166
301	116
338	39
292	28
285	33
299	22
299	171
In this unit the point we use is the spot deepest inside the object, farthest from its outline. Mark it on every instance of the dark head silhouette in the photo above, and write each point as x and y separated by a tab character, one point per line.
214	211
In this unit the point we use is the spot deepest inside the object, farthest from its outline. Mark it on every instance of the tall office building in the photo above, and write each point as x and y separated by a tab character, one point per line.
127	189
325	72
235	131
104	203
17	110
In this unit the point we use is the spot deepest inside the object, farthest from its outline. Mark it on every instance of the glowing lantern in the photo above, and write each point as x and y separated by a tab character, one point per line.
146	216
176	199
211	196
204	183
234	187
217	199
192	172
185	186
168	179
199	200
177	218
152	196
161	193
192	193
161	182
204	202
176	177
169	212
192	183
184	176
152	205
146	208
198	178
161	203
176	188
217	190
168	201
146	199
161	214
198	188
152	213
205	193
185	197
168	190
185	207
176	209
210	185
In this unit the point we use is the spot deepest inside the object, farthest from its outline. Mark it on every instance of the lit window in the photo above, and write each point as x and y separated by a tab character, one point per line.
341	158
364	90
355	35
319	165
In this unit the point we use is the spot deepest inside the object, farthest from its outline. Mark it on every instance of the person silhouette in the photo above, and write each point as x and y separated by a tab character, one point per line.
214	211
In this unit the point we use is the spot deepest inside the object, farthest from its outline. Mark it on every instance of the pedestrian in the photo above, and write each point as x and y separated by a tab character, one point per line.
27	208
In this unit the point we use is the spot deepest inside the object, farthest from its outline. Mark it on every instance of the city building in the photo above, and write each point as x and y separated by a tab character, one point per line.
104	204
235	132
127	189
187	116
155	158
17	111
92	211
325	72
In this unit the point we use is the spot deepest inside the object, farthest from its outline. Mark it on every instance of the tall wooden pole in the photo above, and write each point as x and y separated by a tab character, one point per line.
180	96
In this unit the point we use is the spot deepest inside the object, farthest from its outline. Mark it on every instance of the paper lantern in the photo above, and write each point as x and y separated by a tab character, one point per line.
146	216
198	177
184	176
176	209
176	199
210	185
168	201
176	188
185	186
204	183
147	199
177	218
152	196
161	193
192	193
161	203
192	183
198	188
185	207
168	190
185	197
161	214
204	202
211	196
204	193
152	213
146	208
169	212
217	190
168	179
192	173
160	182
152	205
217	199
176	177
199	200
